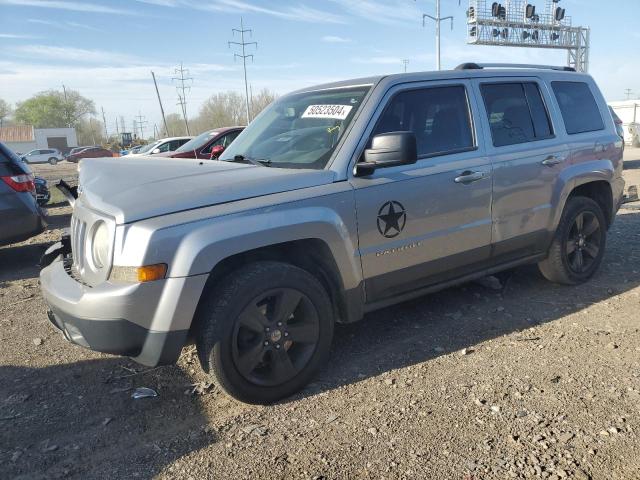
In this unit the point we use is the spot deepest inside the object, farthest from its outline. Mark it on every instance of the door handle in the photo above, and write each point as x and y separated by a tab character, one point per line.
552	160
470	177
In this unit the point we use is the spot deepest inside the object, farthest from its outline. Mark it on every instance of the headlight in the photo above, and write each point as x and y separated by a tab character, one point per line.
100	245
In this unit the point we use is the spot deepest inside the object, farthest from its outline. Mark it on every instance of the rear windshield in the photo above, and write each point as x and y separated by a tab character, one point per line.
10	159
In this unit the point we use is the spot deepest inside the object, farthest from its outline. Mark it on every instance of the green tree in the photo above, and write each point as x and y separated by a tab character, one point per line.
53	108
5	111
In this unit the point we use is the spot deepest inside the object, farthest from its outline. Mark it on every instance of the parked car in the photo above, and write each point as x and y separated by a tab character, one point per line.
618	123
132	150
44	155
161	146
207	145
378	190
20	215
91	152
42	191
76	150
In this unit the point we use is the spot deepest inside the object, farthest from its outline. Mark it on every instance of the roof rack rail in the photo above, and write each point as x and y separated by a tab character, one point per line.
480	66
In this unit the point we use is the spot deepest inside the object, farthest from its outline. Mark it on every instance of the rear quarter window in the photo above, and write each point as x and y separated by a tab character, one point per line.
579	109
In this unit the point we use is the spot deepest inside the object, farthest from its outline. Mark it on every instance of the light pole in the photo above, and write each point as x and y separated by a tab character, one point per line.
437	19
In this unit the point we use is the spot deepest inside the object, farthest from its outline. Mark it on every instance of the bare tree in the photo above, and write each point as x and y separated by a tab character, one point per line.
5	111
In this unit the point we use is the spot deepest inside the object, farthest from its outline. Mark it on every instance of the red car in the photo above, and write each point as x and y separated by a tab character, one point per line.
91	152
207	145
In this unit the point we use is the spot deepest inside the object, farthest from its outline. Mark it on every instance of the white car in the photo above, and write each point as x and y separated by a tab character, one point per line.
162	145
48	155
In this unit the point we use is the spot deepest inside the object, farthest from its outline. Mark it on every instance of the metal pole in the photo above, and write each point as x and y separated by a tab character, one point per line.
438	34
166	130
104	120
244	64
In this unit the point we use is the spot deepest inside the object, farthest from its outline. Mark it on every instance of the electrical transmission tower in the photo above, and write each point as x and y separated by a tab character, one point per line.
405	62
141	123
182	80
243	45
628	93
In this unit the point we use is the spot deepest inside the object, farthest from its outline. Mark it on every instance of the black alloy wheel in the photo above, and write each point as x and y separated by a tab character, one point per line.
275	337
583	242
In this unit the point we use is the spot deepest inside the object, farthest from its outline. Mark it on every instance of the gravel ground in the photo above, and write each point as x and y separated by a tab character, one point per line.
517	378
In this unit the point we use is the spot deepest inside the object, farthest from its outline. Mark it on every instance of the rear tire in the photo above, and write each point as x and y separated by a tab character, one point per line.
264	330
578	244
53	161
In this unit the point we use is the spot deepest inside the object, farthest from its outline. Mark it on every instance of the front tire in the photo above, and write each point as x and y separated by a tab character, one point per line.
53	161
264	331
578	245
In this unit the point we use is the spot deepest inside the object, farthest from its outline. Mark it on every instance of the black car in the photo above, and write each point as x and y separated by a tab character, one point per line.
20	215
42	191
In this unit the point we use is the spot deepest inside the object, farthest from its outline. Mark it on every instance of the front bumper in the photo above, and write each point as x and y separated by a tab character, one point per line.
148	322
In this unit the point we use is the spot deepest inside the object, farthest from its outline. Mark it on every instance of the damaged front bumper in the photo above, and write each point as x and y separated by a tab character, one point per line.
119	318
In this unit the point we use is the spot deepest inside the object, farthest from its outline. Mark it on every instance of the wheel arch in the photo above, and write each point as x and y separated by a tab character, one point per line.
310	254
600	192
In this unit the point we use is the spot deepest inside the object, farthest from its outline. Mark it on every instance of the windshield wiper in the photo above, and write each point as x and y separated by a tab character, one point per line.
259	163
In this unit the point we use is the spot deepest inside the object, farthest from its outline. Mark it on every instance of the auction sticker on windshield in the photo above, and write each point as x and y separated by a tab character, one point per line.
336	112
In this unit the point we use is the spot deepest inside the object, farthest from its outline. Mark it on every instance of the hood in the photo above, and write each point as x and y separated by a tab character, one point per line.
131	189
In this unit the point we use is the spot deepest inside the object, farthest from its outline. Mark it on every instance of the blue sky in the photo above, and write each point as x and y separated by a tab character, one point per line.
106	48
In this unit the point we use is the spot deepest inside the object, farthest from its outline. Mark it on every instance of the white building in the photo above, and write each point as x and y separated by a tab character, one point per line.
629	113
24	138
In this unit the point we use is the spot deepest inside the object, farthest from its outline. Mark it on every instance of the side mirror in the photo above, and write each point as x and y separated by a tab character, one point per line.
388	150
155	150
216	151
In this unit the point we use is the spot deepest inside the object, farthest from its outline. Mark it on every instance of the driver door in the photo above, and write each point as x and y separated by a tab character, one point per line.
429	222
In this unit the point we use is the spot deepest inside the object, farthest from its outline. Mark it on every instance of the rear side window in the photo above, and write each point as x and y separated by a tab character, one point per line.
516	113
579	109
439	117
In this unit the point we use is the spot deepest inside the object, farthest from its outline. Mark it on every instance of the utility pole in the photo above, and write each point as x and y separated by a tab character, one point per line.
181	87
141	123
66	106
405	62
243	45
164	119
93	133
104	121
628	93
155	131
437	19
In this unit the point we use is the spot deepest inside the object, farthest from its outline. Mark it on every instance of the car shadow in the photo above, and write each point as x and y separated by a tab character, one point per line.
465	316
79	420
631	164
20	261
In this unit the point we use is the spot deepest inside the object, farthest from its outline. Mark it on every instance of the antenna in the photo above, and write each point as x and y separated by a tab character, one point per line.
438	19
182	88
244	57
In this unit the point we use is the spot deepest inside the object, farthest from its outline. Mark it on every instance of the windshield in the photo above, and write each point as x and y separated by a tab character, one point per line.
148	148
198	142
300	130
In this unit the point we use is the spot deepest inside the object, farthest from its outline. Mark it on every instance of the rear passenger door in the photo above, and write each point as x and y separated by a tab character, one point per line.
428	222
527	153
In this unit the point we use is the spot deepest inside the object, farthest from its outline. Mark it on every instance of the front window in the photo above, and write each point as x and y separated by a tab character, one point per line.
300	130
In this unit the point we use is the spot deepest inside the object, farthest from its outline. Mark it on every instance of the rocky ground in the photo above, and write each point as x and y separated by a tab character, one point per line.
512	378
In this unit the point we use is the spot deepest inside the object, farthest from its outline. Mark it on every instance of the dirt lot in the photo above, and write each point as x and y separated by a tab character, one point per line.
529	380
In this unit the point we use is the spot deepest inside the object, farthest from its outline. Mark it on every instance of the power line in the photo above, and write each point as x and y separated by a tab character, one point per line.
243	45
182	88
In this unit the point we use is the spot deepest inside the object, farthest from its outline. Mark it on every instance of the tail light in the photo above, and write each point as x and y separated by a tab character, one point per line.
20	183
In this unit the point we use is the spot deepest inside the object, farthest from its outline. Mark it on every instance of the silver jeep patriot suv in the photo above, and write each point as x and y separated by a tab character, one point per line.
336	200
